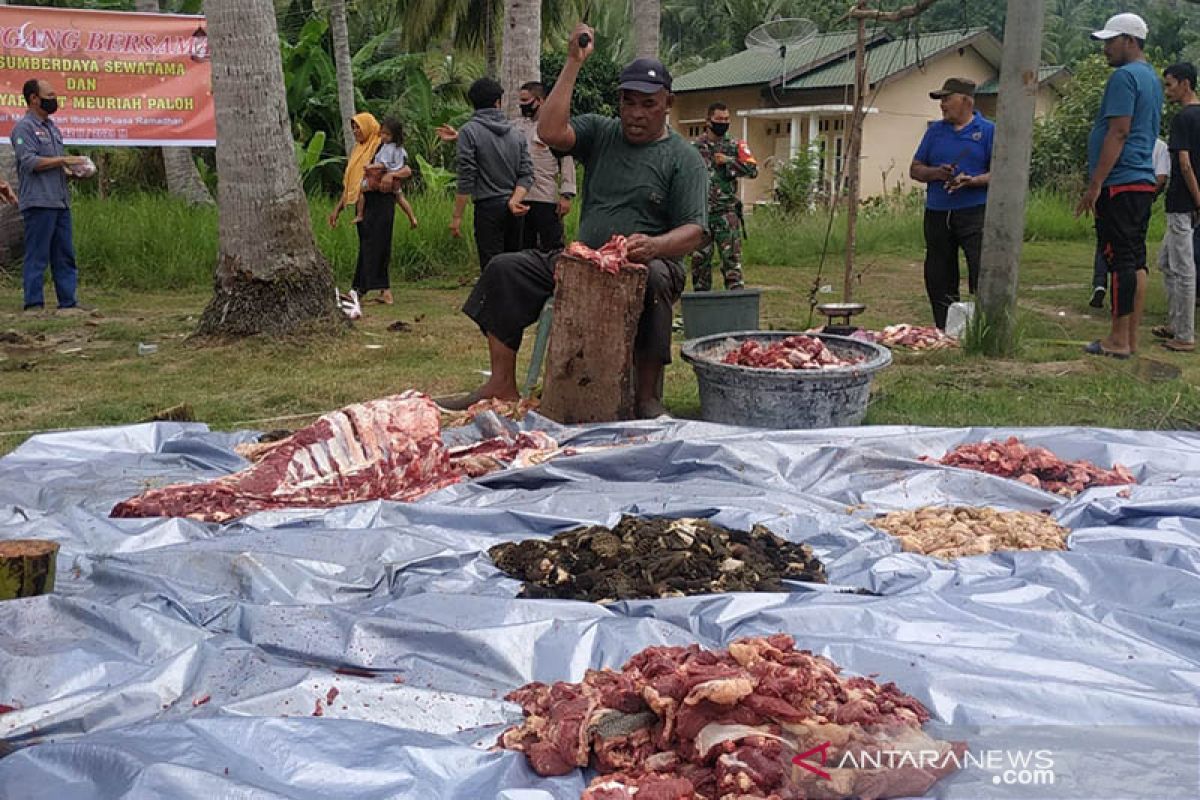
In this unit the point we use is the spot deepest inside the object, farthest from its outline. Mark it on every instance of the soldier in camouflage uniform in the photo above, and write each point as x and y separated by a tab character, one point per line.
727	160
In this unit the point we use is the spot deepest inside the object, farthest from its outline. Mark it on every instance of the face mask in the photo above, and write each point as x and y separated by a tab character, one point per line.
49	105
528	109
719	128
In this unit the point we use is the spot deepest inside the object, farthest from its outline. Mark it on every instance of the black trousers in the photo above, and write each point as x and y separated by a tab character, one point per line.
1122	219
496	230
375	242
543	227
945	233
512	290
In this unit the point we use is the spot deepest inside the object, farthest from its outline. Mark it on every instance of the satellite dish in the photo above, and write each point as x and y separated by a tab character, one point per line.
777	36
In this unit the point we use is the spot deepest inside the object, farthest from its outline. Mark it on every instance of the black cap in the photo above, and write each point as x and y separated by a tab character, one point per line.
646	75
954	86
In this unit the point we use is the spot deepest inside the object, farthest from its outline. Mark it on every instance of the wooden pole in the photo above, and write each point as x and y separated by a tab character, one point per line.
854	153
1004	222
26	568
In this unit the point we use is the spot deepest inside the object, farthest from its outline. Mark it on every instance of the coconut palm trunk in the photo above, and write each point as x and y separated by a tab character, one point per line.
270	277
646	16
183	179
345	73
522	49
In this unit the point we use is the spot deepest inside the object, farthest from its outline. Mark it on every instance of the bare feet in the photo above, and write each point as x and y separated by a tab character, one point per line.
464	401
386	297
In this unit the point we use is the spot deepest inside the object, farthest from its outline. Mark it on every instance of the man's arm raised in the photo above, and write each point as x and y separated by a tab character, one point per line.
554	121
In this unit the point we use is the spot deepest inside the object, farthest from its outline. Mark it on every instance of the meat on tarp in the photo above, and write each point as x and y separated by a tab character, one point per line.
656	557
954	532
385	449
794	352
1034	466
683	722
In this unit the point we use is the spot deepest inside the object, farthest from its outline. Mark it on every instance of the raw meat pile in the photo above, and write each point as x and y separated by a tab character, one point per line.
655	558
914	337
969	531
386	449
794	352
1035	466
609	258
681	723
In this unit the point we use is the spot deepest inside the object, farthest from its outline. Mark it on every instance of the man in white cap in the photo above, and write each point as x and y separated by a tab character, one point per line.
1122	184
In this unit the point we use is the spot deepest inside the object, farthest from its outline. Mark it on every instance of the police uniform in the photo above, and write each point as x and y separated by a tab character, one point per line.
724	211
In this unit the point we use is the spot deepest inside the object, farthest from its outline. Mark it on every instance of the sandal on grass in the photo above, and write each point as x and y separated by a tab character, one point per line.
1097	349
1179	346
1163	332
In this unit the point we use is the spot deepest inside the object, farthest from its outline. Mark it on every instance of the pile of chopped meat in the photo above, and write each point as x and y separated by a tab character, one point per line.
609	258
794	352
960	531
1035	466
386	449
655	558
760	719
913	337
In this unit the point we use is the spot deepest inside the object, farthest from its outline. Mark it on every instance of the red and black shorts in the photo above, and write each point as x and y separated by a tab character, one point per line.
1122	219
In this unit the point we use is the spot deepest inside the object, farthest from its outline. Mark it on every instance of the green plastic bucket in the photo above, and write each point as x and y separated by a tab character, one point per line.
708	313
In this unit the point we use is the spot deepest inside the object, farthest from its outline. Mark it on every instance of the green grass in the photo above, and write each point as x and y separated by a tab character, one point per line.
72	372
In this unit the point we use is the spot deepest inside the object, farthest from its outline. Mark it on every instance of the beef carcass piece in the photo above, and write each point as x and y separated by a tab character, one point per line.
386	449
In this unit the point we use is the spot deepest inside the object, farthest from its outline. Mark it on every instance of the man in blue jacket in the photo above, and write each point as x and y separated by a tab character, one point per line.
955	160
1122	184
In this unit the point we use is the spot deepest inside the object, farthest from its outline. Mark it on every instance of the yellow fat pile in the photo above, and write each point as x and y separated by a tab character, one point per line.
954	532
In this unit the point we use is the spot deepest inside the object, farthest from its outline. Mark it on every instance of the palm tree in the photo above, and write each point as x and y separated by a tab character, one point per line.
522	48
270	277
183	179
345	74
646	15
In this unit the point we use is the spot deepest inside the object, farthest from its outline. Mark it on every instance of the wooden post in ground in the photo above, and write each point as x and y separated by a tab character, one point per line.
1004	222
589	362
26	567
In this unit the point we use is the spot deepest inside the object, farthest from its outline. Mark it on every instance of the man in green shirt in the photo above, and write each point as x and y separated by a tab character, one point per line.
641	180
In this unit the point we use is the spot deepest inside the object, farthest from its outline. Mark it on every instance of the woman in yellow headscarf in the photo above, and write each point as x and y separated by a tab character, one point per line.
378	213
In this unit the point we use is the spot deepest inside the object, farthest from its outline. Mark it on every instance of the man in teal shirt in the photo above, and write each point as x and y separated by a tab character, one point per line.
1122	185
641	180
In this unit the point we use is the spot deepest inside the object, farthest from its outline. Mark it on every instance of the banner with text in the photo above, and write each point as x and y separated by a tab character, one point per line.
122	78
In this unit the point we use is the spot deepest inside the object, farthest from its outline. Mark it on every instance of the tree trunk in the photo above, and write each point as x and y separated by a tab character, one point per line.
270	277
489	38
12	227
646	15
522	49
345	73
1004	222
183	179
589	363
27	568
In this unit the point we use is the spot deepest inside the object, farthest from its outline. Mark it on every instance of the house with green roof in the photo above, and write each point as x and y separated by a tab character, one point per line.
800	100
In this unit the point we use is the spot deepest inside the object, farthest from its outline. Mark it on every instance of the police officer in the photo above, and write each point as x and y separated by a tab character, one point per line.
727	160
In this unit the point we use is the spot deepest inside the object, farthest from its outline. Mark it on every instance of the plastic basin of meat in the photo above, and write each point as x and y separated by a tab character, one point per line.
783	398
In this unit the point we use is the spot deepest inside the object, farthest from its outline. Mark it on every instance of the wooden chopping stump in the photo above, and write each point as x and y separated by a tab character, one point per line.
26	567
589	361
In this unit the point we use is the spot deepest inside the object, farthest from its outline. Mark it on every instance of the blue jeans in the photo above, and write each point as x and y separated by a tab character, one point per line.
48	242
